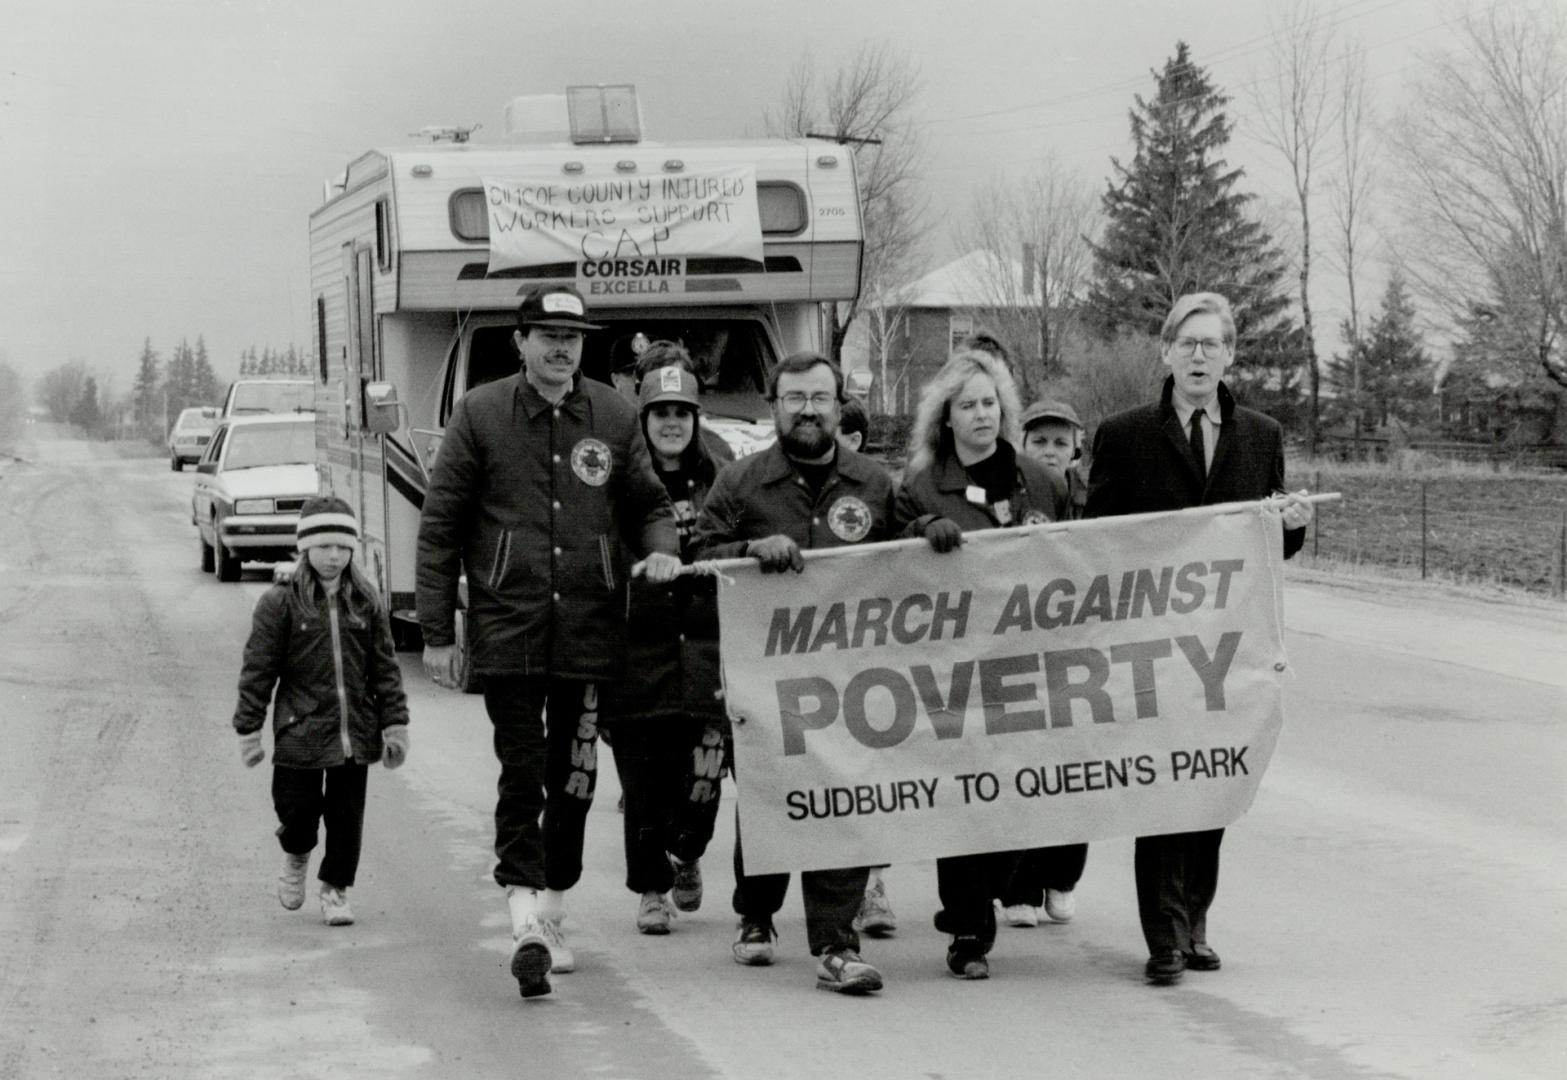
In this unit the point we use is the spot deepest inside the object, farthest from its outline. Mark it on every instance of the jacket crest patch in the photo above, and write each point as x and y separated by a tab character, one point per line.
849	519
590	460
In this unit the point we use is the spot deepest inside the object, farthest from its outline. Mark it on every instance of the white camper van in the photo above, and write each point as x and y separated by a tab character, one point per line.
414	306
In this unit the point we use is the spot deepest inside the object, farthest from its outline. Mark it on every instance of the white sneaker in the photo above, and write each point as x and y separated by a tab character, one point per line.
291	881
530	959
561	958
1020	915
334	906
654	914
876	918
1060	905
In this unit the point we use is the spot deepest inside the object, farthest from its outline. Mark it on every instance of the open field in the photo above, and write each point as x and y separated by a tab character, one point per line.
1466	525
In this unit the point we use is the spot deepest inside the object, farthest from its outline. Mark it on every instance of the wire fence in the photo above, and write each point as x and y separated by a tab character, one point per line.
1506	529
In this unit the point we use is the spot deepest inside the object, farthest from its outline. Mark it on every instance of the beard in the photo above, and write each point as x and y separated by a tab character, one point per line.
806	440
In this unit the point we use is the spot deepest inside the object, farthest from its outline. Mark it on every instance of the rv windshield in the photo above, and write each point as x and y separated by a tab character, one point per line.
272	397
254	446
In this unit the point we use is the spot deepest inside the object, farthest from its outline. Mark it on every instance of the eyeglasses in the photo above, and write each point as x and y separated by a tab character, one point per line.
1212	348
794	400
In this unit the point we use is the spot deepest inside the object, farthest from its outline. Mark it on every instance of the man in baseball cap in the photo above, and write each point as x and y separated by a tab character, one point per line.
554	305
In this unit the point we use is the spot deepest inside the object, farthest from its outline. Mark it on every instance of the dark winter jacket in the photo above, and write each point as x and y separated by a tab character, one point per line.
543	506
762	495
672	630
941	490
1143	462
301	654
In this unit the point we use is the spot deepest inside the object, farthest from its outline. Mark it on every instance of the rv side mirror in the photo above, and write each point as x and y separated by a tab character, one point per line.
381	407
208	467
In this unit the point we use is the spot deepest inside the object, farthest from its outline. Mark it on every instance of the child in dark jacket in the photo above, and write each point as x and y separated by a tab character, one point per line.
324	642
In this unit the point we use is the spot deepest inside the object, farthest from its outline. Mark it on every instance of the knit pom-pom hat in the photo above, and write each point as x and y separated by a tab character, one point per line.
326	519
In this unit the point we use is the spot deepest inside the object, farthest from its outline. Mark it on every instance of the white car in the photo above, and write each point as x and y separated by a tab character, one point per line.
252	481
190	434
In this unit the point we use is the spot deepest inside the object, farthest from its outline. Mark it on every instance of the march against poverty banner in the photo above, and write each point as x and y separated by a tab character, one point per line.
1040	685
623	225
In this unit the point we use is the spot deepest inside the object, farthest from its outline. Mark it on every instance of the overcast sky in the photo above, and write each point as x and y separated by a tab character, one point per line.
159	158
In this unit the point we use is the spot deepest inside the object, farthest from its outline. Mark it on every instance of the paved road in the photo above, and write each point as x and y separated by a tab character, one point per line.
1391	907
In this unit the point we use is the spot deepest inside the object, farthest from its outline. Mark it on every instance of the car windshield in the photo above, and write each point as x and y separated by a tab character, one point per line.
278	397
198	421
270	444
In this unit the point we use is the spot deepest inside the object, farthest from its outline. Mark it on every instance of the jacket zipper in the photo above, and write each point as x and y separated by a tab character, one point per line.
609	571
502	557
337	671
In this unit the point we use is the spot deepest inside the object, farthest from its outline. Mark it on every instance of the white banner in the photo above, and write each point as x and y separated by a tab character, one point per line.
635	222
1040	685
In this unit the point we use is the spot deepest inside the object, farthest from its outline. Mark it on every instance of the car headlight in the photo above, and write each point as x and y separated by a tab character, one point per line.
253	506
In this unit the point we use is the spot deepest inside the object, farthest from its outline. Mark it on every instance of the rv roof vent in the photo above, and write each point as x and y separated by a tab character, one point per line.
604	114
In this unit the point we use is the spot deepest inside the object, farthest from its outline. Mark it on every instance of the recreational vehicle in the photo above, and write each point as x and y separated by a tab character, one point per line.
420	256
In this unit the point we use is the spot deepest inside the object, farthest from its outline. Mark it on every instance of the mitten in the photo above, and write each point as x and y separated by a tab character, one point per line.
250	751
394	741
944	534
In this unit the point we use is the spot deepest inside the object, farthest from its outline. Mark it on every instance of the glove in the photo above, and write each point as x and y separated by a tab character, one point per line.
394	745
250	751
776	554
944	534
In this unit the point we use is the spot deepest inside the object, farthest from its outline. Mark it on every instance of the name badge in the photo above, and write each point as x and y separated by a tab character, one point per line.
975	494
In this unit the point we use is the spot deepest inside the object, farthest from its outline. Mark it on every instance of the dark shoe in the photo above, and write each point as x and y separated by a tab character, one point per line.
843	972
753	945
1165	969
1202	958
686	891
966	959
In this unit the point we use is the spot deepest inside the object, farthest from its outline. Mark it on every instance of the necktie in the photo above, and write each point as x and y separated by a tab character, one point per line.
1199	449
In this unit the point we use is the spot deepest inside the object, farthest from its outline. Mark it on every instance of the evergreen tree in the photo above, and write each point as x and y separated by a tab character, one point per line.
147	395
204	381
179	378
88	414
1395	371
1176	224
292	362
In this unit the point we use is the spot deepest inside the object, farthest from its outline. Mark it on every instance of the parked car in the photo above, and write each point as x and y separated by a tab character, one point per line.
249	397
190	434
252	481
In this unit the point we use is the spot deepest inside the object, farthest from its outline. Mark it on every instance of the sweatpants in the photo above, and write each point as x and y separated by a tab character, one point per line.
671	770
546	740
306	799
1038	869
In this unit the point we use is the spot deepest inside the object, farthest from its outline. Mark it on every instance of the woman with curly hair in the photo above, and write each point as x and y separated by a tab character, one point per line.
965	473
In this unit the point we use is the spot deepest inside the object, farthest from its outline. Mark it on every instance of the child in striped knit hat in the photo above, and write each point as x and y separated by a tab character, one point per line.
324	642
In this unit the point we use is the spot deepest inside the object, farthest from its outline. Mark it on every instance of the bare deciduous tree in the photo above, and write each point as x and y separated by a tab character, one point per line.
1485	151
1044	223
1350	188
868	107
1293	104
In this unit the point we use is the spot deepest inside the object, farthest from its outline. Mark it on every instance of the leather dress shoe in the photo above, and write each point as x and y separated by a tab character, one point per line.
1165	968
1202	958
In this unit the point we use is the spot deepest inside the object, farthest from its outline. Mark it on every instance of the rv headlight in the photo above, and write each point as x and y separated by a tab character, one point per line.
253	506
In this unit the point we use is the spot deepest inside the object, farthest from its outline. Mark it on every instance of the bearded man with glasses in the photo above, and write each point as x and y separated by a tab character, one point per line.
804	491
1195	447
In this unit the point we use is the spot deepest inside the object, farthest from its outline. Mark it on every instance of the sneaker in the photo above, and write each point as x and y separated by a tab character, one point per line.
1060	904
966	959
876	918
334	906
562	960
1020	915
291	882
843	972
654	914
686	891
754	943
531	960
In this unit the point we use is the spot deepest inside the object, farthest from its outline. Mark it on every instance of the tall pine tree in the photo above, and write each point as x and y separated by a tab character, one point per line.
147	395
204	381
1176	224
1395	372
